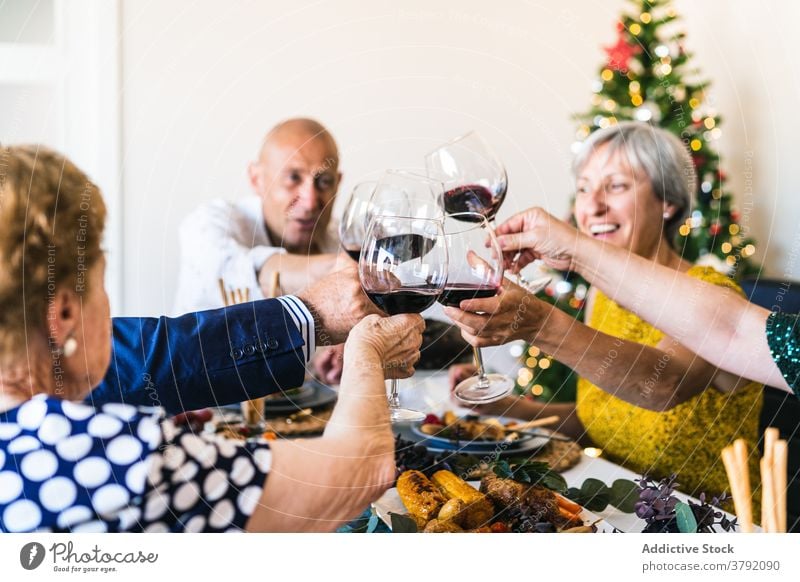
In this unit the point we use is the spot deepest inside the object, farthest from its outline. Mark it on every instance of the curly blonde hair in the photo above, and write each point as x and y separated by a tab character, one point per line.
51	226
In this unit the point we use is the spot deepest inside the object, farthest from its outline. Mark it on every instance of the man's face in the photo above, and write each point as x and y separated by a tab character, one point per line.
296	177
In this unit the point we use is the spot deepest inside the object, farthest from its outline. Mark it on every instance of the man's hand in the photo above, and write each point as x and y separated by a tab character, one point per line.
337	303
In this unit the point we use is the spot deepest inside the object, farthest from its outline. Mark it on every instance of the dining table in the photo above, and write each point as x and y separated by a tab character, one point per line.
429	392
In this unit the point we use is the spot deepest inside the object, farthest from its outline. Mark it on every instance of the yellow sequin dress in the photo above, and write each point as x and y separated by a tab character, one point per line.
687	439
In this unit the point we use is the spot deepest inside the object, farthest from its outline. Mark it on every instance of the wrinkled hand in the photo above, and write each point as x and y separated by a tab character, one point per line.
535	234
328	364
510	315
396	341
337	304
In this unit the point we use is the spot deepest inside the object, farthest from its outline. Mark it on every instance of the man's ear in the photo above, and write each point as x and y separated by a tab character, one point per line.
63	315
254	176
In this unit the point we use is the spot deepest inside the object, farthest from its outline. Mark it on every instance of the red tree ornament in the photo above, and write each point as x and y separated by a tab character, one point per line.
619	55
715	229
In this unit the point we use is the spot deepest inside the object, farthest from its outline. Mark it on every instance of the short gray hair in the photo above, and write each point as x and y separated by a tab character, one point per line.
659	154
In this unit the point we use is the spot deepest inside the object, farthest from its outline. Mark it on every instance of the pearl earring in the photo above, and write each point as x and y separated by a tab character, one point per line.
70	347
667	215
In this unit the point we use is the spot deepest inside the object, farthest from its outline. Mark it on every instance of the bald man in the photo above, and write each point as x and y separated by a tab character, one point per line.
282	227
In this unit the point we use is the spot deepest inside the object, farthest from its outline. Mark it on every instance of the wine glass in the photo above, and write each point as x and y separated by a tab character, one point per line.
475	181
475	271
403	269
353	225
404	193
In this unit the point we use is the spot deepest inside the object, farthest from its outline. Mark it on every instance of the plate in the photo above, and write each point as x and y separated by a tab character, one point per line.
477	444
289	396
390	502
496	448
320	395
313	394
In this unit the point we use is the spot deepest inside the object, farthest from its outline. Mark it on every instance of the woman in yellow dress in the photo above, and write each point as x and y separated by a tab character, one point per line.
646	400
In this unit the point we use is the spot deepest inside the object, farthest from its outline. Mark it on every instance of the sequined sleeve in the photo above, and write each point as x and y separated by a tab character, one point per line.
783	336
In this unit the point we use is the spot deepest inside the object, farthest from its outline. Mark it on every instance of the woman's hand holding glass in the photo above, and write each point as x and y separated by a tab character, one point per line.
534	234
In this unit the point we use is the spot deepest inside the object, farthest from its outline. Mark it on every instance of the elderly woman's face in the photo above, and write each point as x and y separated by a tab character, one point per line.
617	205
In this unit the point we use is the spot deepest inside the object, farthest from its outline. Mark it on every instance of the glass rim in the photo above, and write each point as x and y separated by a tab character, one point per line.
402	217
410	173
456	139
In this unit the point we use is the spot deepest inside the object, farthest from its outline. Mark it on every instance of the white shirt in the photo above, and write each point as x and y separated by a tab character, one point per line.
225	240
229	240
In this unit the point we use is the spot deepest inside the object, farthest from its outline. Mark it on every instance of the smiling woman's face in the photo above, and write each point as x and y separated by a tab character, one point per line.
616	204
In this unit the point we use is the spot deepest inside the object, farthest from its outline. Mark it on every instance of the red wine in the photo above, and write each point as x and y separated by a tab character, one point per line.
454	294
404	300
353	253
473	198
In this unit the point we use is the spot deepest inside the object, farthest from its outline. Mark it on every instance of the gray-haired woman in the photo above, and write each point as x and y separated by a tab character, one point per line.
644	398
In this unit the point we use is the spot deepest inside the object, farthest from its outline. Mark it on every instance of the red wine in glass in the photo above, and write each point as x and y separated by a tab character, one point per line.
404	300
353	253
455	293
473	198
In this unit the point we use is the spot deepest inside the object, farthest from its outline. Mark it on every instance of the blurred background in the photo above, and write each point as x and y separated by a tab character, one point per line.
165	103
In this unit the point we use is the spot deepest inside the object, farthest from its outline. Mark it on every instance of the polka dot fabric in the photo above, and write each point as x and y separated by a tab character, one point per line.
73	467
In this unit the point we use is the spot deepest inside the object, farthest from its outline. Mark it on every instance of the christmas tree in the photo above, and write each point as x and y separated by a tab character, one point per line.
647	77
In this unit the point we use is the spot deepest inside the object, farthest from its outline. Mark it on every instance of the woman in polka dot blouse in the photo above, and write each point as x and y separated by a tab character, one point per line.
66	465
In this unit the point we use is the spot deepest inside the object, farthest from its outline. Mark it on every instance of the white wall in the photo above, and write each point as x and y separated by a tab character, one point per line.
203	80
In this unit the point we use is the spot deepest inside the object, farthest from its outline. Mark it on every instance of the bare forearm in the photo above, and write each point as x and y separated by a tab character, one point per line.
319	484
297	271
315	485
641	375
714	322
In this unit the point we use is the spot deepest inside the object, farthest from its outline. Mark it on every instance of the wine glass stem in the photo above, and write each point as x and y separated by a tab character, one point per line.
483	381
394	398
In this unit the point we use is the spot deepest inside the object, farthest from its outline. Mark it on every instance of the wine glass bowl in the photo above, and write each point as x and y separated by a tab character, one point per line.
475	181
404	193
353	225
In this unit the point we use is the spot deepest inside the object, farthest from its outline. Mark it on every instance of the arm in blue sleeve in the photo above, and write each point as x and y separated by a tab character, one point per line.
207	358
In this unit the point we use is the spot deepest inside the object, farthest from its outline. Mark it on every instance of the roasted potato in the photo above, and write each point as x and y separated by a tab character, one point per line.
441	526
453	510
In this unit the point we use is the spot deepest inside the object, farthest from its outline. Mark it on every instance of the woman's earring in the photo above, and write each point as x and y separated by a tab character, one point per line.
667	215
70	347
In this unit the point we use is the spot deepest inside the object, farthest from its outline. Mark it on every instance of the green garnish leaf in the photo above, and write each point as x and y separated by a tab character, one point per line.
684	516
623	495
